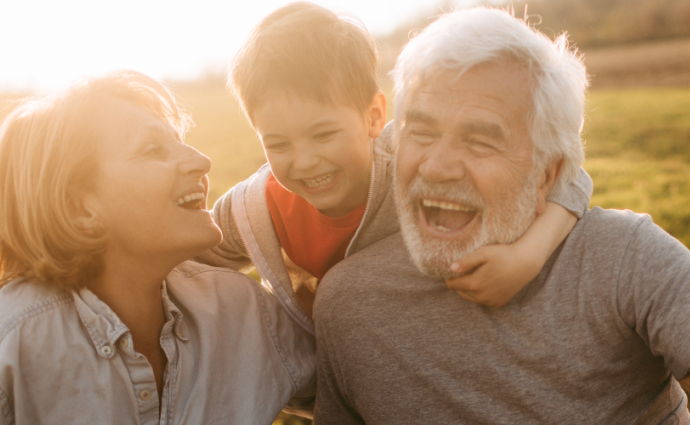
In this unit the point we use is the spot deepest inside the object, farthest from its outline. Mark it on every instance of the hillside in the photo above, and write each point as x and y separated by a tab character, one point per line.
625	42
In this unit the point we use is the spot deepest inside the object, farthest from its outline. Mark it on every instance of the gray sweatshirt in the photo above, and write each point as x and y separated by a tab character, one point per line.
599	337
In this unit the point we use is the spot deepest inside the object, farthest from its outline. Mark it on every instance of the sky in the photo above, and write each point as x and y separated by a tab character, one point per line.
45	44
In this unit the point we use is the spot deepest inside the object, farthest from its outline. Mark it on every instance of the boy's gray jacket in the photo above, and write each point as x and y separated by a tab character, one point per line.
249	238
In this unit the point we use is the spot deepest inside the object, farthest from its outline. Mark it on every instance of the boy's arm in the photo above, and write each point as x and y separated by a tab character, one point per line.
231	252
493	274
575	197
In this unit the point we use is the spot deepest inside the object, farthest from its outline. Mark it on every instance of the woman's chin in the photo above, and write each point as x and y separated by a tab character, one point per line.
209	237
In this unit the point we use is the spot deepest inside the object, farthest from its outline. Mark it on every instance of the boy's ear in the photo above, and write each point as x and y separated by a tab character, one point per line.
377	114
547	182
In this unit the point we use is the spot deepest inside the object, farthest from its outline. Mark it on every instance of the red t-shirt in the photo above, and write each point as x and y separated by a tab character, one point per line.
313	241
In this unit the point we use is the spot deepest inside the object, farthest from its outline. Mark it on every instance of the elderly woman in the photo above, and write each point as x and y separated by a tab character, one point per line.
101	319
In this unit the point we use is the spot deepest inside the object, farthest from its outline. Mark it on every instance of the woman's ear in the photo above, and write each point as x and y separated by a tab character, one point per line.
376	114
84	215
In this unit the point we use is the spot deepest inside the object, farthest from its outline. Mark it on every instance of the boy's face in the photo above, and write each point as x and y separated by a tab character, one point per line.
320	152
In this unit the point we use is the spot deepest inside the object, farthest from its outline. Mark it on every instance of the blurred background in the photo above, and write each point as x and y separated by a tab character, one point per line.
637	132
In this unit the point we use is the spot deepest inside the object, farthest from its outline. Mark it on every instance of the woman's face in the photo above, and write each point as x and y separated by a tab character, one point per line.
150	189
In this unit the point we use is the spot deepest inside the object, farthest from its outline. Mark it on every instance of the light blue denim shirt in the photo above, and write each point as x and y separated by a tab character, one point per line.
234	355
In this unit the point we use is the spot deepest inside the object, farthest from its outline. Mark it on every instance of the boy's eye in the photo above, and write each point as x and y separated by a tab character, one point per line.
325	135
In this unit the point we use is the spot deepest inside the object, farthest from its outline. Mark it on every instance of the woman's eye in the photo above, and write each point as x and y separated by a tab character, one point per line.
153	149
281	146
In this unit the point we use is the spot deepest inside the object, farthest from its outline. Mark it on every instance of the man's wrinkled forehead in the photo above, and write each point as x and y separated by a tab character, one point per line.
417	114
474	98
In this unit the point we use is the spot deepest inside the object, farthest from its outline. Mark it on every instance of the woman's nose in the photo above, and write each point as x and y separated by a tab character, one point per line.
194	162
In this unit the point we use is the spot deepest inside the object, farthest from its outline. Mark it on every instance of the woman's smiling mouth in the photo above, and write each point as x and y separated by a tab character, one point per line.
192	201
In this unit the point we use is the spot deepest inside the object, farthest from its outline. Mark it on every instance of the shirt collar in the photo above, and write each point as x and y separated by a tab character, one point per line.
172	312
105	328
101	323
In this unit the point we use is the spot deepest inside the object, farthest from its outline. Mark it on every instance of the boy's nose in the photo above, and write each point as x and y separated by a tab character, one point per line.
305	160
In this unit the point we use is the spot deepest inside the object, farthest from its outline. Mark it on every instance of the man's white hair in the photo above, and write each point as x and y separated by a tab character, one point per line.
463	39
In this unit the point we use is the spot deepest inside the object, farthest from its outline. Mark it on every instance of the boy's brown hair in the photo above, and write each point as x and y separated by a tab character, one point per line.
306	50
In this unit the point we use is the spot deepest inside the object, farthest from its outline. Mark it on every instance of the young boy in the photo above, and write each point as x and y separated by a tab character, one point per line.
307	81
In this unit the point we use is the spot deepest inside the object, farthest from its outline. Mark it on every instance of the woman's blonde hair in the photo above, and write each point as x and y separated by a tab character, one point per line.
47	158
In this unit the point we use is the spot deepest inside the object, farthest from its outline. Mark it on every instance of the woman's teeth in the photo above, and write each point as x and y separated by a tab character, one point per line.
192	197
319	181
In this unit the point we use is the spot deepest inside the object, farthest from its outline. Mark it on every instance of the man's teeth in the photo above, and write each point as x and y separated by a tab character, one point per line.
319	181
445	205
191	197
441	228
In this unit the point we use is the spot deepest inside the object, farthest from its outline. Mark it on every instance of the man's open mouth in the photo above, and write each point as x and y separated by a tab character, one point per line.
446	216
192	201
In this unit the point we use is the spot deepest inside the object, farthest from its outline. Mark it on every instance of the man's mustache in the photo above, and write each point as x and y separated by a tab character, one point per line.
460	192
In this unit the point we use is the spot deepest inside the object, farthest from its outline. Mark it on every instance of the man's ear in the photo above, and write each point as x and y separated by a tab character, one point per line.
547	182
376	114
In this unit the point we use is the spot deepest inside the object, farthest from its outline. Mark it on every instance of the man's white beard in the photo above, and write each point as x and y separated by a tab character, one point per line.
502	224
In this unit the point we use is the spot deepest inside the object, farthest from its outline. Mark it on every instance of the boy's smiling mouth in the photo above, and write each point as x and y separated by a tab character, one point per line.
446	216
319	181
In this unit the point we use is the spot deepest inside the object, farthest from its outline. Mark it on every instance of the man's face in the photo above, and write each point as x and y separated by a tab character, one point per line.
465	174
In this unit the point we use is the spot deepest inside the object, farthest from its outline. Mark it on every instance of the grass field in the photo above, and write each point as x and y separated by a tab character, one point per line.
638	153
637	144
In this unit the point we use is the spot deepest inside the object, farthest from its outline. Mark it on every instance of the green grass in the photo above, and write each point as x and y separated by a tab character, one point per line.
637	144
639	123
638	154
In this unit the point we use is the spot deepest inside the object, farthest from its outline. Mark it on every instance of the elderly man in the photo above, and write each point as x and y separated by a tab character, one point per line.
489	114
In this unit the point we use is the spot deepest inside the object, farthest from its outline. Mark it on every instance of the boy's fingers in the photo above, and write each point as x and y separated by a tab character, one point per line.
467	297
463	283
468	263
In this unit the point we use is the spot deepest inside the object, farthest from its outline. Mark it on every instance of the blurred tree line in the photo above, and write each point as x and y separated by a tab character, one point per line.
589	23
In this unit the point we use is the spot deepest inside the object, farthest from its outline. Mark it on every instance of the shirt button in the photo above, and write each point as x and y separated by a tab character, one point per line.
124	343
145	395
106	350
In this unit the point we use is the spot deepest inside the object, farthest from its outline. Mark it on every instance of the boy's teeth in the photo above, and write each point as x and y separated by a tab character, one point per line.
445	205
319	181
191	197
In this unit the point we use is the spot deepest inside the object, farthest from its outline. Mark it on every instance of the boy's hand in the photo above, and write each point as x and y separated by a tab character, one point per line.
492	274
